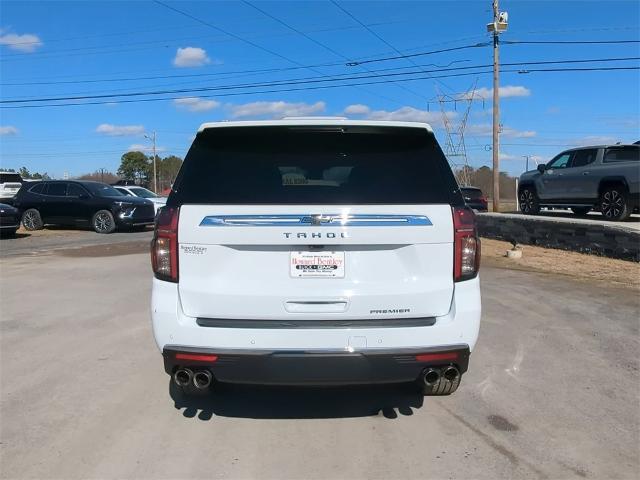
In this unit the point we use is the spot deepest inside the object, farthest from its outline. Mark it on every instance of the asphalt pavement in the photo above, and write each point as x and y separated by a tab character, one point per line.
552	389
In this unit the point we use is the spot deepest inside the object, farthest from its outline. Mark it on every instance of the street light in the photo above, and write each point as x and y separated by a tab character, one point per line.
527	157
155	178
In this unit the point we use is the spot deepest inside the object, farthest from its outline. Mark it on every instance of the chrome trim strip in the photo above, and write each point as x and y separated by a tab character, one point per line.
333	220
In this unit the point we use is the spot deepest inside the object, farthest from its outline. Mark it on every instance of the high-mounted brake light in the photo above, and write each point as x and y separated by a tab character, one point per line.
466	252
164	246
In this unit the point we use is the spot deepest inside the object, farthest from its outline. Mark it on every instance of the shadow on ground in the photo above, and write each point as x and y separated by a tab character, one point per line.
262	402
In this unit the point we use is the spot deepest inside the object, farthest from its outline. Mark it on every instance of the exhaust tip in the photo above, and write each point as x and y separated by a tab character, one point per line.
202	379
451	373
431	376
182	377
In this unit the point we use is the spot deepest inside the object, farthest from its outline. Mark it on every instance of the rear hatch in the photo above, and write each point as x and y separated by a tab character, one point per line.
315	222
10	183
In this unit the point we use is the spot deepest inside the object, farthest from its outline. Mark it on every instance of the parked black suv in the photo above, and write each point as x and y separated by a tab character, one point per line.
75	202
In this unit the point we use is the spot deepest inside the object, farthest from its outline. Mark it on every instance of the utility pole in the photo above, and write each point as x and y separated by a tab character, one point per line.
526	157
499	25
155	176
496	110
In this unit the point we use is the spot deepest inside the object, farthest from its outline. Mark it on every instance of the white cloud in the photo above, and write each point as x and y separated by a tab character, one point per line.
410	114
357	109
119	130
485	130
195	104
138	147
191	57
23	43
276	109
505	92
507	156
8	130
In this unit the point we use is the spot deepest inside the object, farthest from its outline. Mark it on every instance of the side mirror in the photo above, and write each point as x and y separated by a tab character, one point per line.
542	168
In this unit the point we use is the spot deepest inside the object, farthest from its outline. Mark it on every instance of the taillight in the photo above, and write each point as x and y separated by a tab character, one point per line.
466	251
164	246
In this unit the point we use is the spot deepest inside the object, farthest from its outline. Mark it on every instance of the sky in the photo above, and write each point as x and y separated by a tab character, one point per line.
121	53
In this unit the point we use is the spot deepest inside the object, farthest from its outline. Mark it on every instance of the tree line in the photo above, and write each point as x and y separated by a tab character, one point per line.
483	179
138	167
27	175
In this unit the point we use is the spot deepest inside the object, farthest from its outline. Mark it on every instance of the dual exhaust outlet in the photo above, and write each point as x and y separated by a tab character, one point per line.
431	376
200	379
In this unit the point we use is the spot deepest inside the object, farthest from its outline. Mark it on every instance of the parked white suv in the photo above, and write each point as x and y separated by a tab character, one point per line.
141	192
316	252
10	183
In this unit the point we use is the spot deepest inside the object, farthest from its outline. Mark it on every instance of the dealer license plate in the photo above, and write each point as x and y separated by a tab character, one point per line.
317	264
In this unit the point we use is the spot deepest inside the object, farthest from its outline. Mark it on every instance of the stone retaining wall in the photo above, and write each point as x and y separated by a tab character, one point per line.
597	237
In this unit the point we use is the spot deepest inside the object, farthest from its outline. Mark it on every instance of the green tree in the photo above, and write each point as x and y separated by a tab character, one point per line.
25	173
135	166
168	170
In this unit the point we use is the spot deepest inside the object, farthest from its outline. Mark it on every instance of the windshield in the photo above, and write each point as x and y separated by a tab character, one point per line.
103	190
143	192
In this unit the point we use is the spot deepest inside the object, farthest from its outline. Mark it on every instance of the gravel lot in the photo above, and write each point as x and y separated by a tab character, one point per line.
552	390
56	238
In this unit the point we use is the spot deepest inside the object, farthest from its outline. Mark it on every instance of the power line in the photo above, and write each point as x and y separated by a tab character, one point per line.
568	42
320	87
311	39
285	69
306	80
75	76
379	38
237	37
420	54
98	49
485	44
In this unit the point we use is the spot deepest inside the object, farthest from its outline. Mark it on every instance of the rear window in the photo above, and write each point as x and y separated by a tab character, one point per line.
622	154
103	190
10	178
315	165
471	192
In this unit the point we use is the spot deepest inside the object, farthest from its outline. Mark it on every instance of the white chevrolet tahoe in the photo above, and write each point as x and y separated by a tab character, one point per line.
316	252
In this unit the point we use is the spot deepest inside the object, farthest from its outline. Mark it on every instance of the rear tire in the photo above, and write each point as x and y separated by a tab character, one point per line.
529	201
581	211
103	222
31	220
614	203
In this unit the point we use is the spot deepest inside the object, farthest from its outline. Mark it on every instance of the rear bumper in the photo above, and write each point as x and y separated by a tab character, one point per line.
332	355
317	367
134	222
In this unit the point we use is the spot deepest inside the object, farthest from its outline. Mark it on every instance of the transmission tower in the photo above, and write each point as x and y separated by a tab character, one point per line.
455	148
